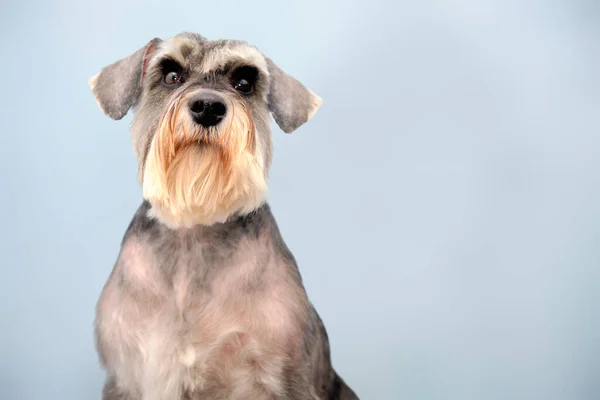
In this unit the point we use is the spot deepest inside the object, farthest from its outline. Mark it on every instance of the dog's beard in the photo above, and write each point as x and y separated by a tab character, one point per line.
195	175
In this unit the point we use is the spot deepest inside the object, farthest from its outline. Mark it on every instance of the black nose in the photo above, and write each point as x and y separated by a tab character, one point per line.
207	109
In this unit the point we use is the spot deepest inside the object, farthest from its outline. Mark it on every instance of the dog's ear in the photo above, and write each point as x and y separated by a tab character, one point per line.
291	103
117	87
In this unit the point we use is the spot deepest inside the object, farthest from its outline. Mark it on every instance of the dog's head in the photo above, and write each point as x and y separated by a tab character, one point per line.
201	126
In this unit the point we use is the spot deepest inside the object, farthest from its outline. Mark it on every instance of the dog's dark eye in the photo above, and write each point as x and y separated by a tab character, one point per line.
172	78
244	79
172	72
243	86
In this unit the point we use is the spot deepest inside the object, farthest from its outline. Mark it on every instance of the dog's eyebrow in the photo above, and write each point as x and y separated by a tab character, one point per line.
168	64
234	65
247	71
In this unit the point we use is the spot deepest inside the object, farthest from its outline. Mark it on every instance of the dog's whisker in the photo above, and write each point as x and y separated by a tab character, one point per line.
207	166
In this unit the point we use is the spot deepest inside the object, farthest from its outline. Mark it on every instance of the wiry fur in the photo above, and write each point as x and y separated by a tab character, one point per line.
196	175
205	300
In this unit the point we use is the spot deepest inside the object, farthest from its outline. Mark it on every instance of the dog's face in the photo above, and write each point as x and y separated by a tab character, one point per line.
201	128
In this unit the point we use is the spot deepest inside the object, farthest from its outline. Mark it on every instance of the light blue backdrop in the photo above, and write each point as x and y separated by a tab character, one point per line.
443	204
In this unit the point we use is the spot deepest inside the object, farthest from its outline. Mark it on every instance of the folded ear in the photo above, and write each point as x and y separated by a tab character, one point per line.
117	87
290	102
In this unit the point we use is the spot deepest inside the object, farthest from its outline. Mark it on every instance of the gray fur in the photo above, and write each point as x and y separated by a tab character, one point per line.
289	100
205	255
118	85
205	252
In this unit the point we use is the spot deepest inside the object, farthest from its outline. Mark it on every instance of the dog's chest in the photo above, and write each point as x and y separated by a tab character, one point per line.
229	333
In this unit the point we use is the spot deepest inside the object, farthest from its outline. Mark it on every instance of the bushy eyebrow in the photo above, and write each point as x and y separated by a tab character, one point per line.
169	64
232	65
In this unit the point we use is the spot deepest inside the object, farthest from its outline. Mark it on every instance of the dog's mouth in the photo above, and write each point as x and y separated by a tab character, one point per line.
203	174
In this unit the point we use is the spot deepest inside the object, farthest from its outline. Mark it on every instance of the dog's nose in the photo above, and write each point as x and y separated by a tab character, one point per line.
207	110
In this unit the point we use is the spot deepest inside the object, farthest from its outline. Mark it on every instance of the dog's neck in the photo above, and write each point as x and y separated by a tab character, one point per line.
251	222
216	245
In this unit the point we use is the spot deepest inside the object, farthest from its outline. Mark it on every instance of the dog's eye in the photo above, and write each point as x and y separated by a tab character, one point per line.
172	78
244	78
243	86
172	72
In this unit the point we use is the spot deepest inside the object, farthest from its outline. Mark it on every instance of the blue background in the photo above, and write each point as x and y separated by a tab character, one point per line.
443	204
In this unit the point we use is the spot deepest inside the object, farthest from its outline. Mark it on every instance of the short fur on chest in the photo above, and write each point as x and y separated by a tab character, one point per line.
212	311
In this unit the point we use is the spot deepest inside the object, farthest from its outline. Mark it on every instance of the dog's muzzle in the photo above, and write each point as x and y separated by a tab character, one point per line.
207	109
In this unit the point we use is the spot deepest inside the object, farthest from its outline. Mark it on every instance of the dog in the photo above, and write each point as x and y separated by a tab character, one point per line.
205	300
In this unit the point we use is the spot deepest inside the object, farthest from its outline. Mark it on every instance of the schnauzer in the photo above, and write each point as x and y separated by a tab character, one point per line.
205	300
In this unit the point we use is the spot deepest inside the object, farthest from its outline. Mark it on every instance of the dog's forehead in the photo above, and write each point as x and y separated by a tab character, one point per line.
203	55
